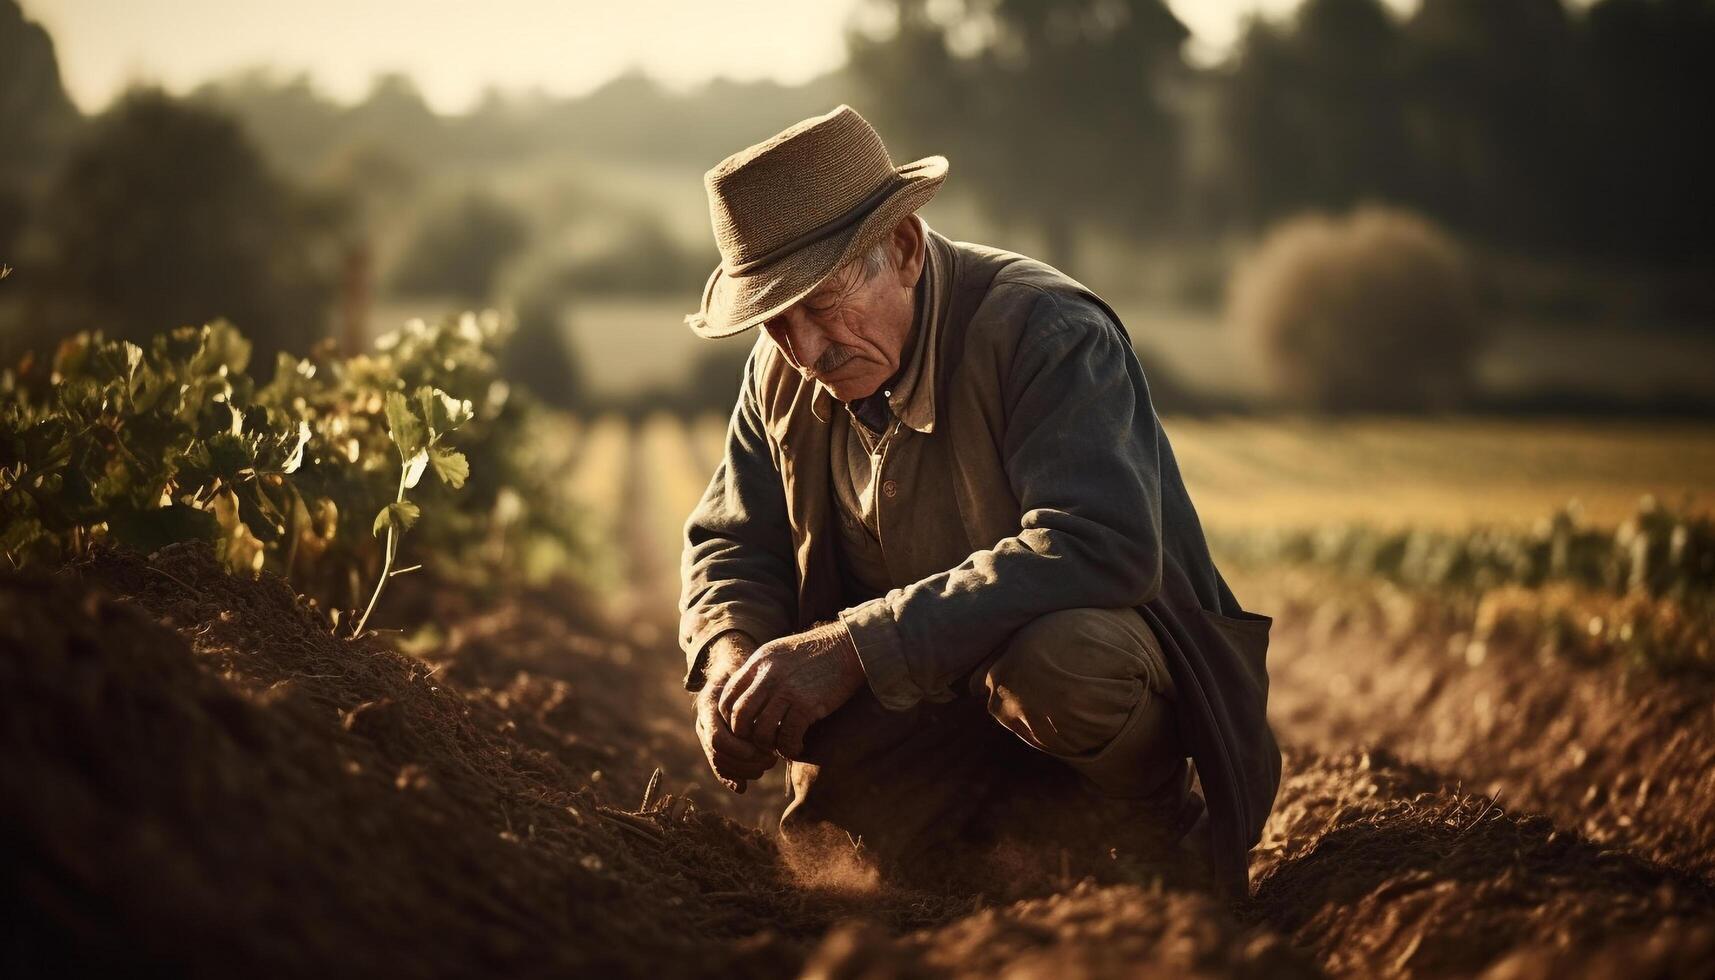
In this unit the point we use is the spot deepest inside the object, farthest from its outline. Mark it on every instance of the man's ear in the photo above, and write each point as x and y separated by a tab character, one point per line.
910	244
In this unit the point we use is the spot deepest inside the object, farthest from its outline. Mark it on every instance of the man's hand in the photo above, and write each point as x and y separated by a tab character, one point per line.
734	761
788	685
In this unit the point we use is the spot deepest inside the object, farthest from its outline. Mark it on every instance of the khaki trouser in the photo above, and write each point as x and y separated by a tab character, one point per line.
1077	693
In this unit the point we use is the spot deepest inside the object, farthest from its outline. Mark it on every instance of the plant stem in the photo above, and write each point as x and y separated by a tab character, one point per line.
387	562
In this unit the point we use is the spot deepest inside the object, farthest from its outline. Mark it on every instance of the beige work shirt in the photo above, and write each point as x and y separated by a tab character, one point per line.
865	465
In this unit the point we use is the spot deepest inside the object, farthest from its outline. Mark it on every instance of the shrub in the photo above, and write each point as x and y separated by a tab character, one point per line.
1371	311
315	475
165	215
459	248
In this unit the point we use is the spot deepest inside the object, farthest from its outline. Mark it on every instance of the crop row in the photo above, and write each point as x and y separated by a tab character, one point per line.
1656	551
316	474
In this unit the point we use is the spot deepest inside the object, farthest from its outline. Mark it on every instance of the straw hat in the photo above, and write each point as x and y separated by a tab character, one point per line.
792	209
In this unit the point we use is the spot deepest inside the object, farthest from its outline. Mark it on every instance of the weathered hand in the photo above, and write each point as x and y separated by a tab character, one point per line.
733	760
788	685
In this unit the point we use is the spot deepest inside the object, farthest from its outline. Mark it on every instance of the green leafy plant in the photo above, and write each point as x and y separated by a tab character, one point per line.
315	475
417	433
1657	551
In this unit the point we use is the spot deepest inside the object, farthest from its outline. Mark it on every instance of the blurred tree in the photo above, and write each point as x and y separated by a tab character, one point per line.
1496	118
37	119
377	181
294	124
165	216
713	381
710	384
395	114
459	248
539	357
640	257
14	213
1312	113
1038	105
1648	67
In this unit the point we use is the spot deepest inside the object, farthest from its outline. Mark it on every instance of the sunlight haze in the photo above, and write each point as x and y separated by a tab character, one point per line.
456	50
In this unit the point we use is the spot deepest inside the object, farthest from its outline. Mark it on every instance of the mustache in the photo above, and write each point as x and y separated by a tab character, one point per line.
832	358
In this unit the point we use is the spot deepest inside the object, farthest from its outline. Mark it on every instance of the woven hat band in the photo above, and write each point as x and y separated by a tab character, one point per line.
851	217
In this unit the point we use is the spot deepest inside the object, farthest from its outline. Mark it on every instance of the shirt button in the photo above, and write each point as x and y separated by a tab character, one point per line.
890	488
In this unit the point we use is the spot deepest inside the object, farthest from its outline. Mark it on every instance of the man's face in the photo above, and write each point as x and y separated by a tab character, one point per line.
850	333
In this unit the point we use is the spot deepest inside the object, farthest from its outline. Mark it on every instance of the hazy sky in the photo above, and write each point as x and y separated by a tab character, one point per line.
456	48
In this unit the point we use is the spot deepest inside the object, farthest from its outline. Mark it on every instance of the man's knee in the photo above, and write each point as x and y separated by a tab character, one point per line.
1068	681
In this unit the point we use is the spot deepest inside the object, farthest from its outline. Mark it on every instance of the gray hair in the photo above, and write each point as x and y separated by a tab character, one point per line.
868	265
876	259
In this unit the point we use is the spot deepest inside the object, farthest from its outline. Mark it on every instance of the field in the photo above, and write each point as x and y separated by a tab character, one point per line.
1462	796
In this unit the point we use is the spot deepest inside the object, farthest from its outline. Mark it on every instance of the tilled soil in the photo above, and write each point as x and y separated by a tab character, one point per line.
197	778
1621	755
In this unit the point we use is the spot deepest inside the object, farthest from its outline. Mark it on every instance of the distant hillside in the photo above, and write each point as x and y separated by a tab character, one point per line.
631	118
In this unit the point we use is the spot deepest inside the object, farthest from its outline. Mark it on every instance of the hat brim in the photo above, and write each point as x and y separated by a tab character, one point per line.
734	304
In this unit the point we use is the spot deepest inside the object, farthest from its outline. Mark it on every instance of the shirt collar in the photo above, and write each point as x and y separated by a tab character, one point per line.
910	393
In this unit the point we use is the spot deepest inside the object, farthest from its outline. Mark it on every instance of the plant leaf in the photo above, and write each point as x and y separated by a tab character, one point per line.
20	535
450	465
223	350
229	455
414	468
296	458
441	411
400	514
404	426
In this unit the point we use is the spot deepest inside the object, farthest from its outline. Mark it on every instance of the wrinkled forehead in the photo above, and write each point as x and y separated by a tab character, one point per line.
842	282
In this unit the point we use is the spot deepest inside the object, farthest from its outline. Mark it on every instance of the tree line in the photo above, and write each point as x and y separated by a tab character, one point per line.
1526	125
1523	123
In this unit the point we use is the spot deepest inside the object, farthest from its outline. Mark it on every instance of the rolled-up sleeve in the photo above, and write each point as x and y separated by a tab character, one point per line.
1082	457
736	569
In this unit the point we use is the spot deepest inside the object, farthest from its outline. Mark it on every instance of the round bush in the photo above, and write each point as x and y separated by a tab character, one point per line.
1371	311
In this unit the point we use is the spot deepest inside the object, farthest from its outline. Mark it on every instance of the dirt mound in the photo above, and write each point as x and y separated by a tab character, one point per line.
1089	931
198	776
1670	951
603	699
1622	754
1382	868
251	794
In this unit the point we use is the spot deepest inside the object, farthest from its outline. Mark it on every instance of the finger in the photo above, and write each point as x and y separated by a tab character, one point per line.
726	743
789	742
767	729
736	685
712	731
748	709
741	768
717	766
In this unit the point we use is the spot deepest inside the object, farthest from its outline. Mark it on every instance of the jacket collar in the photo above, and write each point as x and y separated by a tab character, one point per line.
913	388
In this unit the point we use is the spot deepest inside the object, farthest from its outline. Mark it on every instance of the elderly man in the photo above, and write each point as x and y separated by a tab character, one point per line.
947	558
